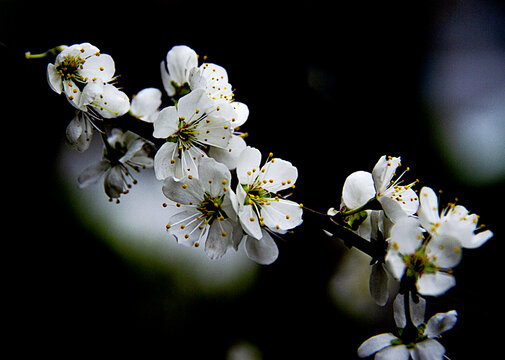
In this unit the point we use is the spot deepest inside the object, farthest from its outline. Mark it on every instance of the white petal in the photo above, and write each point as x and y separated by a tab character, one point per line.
112	102
440	323
435	284
428	208
248	165
397	352
444	251
399	311
406	235
395	264
166	80
146	103
263	251
215	132
73	94
379	284
383	173
213	176
281	215
219	240
91	174
79	133
114	183
242	112
250	222
278	175
428	350
375	344
229	155
180	60
188	227
193	105
167	123
164	167
358	189
54	79
477	239
100	66
184	191
399	201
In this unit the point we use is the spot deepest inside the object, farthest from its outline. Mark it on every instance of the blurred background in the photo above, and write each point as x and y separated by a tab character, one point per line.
330	89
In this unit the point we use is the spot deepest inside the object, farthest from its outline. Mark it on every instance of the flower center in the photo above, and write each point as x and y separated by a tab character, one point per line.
69	68
418	263
211	208
185	136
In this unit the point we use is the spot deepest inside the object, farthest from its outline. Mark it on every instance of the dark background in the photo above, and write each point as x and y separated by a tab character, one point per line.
67	293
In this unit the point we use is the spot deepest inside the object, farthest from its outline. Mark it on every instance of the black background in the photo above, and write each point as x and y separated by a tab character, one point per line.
67	294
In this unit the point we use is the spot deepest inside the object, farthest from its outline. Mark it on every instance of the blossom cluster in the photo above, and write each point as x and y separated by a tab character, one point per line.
220	193
416	244
195	147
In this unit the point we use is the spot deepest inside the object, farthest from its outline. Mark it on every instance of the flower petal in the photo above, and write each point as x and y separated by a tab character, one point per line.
111	103
192	106
180	60
445	251
114	183
435	284
264	251
379	284
406	235
229	155
428	350
428	208
219	240
397	352
54	79
248	165
250	222
277	175
375	344
92	173
440	323
358	189
383	172
146	103
100	66
167	123
281	215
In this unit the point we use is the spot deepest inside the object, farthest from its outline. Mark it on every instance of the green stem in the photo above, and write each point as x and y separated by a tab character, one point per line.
54	51
369	205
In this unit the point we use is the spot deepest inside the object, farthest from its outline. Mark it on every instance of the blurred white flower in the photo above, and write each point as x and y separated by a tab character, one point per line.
421	345
454	221
122	152
426	263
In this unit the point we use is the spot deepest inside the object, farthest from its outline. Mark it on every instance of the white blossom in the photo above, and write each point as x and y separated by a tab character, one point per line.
427	262
422	345
362	187
190	128
214	80
201	210
454	221
77	66
175	71
123	152
260	209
